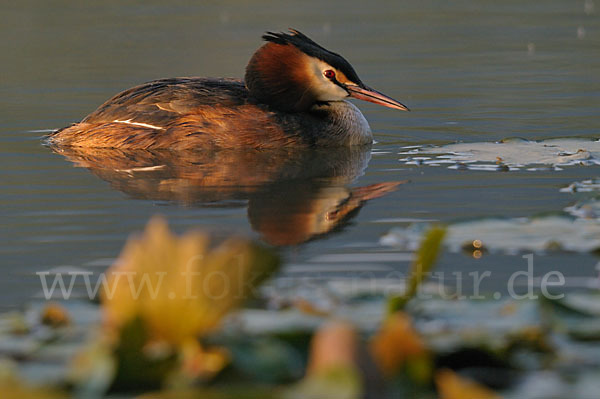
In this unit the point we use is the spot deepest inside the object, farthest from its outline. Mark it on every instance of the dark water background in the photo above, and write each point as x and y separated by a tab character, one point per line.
471	71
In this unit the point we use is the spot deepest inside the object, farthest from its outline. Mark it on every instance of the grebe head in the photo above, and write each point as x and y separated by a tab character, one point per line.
293	73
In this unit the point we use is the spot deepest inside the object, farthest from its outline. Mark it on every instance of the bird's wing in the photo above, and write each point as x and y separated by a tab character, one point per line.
161	102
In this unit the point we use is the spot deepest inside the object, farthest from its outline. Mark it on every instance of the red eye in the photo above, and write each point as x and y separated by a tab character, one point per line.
329	74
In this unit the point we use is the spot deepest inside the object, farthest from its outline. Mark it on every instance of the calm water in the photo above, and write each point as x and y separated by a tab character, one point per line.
472	71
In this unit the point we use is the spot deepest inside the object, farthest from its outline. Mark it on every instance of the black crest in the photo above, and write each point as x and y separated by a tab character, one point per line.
311	48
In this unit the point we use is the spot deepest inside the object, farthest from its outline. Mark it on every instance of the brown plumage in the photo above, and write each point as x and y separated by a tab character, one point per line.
293	96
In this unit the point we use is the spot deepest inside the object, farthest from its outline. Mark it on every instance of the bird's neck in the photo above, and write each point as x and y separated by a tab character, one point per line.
345	124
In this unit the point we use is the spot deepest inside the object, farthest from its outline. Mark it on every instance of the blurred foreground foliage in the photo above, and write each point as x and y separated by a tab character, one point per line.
188	338
180	287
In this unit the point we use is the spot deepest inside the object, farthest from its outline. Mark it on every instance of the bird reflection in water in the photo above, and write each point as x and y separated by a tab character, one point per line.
292	196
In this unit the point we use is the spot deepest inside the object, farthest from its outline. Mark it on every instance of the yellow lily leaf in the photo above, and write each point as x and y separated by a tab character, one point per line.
179	286
397	343
452	386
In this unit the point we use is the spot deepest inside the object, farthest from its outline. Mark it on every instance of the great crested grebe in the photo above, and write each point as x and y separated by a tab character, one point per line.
293	94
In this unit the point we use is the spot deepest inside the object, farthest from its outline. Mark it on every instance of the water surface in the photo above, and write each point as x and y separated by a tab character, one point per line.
471	71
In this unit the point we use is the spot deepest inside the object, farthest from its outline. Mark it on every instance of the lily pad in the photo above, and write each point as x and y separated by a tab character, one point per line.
582	303
509	236
587	209
508	154
584	186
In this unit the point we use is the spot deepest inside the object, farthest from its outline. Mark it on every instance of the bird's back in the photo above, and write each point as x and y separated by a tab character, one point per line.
181	113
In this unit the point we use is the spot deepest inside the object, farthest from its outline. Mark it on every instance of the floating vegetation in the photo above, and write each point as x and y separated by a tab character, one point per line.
510	236
174	341
397	346
11	387
507	155
587	208
164	279
332	370
452	386
163	295
585	186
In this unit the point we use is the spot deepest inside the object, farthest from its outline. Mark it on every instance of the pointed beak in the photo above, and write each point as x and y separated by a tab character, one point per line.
373	96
